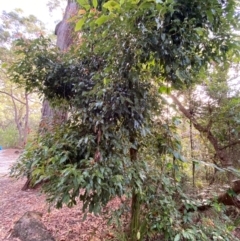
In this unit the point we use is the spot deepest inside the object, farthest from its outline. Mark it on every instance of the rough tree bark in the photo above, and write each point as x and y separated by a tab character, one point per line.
64	31
52	117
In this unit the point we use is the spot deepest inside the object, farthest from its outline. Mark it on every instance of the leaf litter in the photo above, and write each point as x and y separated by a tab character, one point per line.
65	224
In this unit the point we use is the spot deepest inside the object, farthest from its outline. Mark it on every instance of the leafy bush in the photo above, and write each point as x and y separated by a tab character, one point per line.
9	136
66	162
163	219
130	53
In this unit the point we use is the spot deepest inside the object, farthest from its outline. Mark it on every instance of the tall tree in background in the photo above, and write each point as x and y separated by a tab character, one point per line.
65	35
16	101
214	112
53	117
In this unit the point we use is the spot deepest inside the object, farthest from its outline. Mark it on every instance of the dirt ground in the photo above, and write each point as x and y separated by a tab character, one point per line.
7	157
65	224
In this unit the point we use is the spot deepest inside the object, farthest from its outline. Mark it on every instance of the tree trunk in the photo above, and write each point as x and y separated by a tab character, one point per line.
135	205
221	152
65	35
26	120
52	117
21	122
65	30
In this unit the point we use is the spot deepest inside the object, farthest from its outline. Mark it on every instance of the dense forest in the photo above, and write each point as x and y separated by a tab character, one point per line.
137	99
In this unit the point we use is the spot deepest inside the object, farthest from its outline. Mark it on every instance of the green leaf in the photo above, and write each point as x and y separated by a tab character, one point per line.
4	65
80	24
111	5
84	4
36	172
177	237
180	74
106	81
176	154
101	20
164	89
168	69
63	159
66	198
210	16
200	31
95	3
163	36
122	2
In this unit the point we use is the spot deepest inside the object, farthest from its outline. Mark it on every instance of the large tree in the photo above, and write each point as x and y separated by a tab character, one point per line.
131	52
213	110
65	35
17	103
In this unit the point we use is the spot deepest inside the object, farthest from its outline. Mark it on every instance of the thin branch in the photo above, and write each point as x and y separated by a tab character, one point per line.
233	143
221	153
3	92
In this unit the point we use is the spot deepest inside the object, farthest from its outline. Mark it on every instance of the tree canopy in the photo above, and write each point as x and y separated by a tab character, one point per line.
127	55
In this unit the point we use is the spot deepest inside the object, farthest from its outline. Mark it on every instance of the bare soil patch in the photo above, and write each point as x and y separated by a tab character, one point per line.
7	158
65	224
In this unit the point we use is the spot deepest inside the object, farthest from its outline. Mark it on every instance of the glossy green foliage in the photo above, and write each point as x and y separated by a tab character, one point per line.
175	39
66	161
36	58
164	220
111	82
93	146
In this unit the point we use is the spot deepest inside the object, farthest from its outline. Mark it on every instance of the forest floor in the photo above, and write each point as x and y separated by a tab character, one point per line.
65	224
